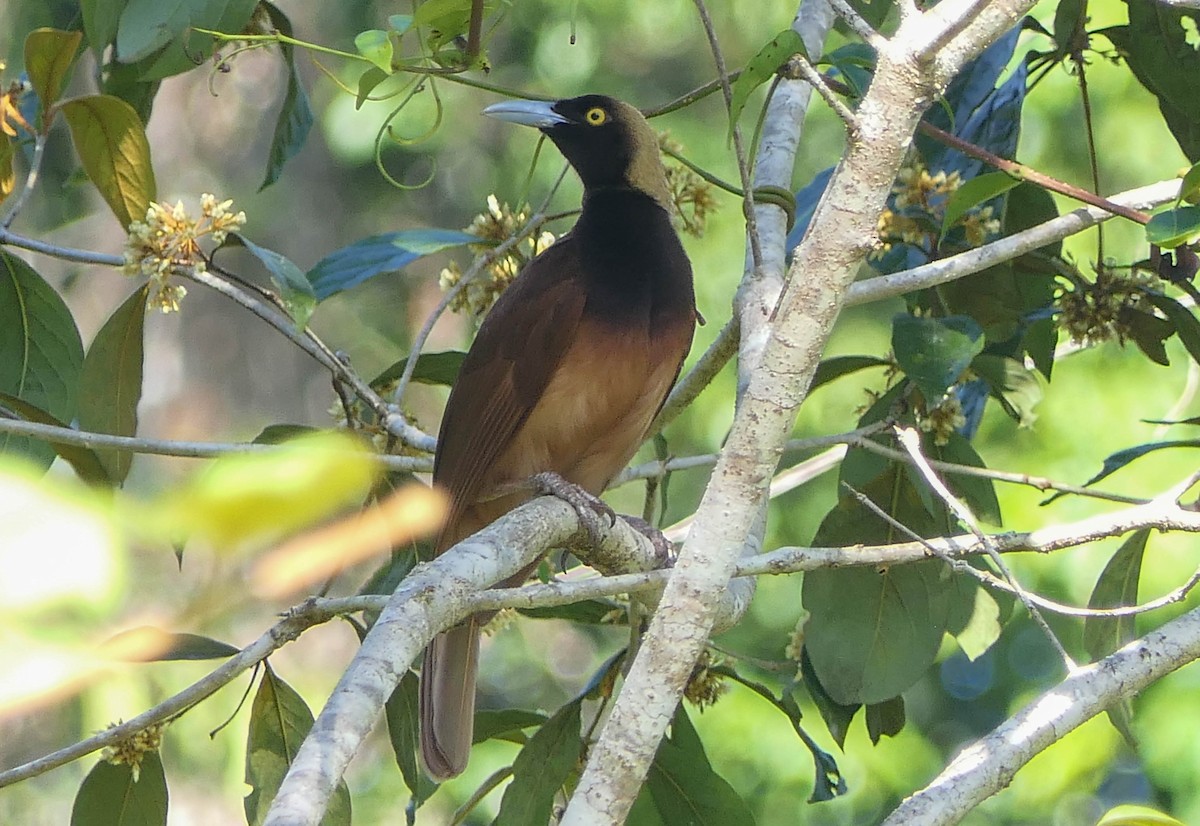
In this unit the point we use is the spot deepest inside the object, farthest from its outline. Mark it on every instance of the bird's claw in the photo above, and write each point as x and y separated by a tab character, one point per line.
590	509
664	550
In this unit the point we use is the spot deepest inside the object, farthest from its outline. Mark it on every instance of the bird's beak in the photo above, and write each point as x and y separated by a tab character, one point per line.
527	113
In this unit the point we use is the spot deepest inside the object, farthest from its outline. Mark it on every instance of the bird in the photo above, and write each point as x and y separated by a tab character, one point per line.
567	371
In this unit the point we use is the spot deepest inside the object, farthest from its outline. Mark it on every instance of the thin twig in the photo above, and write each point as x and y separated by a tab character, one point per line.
856	22
800	66
738	148
910	440
35	166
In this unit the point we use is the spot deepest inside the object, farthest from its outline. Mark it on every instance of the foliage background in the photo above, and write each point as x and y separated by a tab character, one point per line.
213	373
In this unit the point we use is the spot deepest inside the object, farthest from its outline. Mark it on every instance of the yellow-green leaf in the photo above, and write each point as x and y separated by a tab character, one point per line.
112	146
49	54
761	68
7	179
1131	815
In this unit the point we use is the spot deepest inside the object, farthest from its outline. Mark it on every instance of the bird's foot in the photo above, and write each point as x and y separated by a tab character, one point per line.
590	509
664	551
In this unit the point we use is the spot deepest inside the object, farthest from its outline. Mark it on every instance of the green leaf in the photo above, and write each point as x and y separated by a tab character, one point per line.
588	612
1189	187
684	786
274	434
110	386
761	68
367	82
837	716
838	366
506	724
885	719
158	35
295	116
1115	461
400	23
872	634
1149	333
49	55
146	26
1012	384
977	492
40	352
376	46
279	722
122	81
541	769
111	796
974	619
294	290
7	177
378	254
972	193
1181	318
112	146
100	19
1156	48
1130	815
432	368
401	714
934	352
1116	587
1173	227
84	460
166	646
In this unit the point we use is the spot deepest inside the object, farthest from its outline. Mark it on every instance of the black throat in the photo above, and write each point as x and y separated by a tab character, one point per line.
632	257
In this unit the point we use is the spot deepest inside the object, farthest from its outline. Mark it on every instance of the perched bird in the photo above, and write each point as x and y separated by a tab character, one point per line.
567	371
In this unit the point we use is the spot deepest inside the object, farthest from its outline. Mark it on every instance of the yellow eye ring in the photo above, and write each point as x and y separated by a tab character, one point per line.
596	116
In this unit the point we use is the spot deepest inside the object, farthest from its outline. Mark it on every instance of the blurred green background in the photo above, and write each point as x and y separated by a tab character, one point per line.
214	373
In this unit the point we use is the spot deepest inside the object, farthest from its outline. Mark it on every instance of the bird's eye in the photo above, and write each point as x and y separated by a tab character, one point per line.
596	116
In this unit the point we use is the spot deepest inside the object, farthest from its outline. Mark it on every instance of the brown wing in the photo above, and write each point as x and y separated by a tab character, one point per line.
504	375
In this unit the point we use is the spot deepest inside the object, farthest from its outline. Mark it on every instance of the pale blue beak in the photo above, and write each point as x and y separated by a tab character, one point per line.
527	113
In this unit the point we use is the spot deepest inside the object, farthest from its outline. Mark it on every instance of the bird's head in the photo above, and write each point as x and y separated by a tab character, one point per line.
606	140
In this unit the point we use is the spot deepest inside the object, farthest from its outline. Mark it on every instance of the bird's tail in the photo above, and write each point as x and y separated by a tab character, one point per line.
448	700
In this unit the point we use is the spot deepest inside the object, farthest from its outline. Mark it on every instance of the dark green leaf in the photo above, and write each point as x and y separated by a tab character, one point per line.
885	719
146	26
541	769
295	116
1116	587
279	722
589	612
110	796
1172	227
161	646
974	618
122	81
934	352
1012	384
1121	458
376	46
1181	318
761	68
1155	46
378	254
401	714
872	634
976	191
977	492
158	35
507	724
110	386
294	290
838	366
84	460
49	54
837	717
1149	333
684	786
100	21
41	355
1068	27
432	368
112	147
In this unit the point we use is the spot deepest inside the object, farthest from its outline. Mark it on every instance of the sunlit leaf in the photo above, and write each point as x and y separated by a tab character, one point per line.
110	386
295	115
49	55
972	193
294	290
111	795
279	722
541	768
41	355
761	68
974	618
376	46
1130	815
378	254
8	178
112	146
1189	187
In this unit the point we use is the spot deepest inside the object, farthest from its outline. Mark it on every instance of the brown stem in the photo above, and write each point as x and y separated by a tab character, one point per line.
474	32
